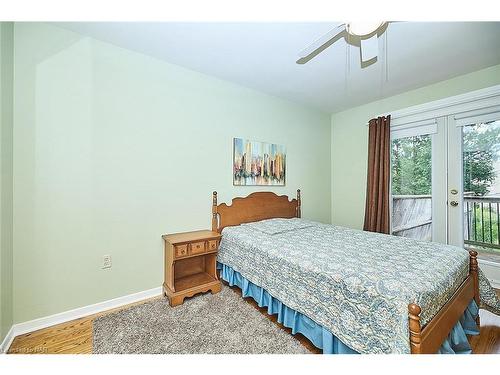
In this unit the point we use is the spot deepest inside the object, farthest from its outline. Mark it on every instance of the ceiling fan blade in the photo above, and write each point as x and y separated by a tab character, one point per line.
321	44
369	48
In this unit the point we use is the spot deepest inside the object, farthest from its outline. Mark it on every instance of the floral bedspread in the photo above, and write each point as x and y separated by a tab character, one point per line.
356	284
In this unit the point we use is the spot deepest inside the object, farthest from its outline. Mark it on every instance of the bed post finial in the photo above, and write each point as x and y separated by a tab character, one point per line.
474	272
414	311
299	211
214	211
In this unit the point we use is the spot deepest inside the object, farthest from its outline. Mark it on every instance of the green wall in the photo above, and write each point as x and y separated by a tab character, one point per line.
350	139
6	250
112	149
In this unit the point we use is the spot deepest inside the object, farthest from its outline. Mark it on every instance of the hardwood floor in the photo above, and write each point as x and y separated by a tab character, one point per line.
488	341
66	338
75	337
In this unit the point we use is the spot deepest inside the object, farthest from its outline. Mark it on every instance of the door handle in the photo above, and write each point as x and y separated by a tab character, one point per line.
454	203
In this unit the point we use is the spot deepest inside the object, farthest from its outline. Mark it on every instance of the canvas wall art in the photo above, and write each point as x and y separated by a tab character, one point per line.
258	163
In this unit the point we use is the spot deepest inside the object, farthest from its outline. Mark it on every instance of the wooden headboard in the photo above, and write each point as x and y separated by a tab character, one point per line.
254	207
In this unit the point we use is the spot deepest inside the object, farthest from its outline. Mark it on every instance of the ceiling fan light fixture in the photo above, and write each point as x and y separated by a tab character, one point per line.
363	28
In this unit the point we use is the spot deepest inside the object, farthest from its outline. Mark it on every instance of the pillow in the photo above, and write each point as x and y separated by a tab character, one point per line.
277	226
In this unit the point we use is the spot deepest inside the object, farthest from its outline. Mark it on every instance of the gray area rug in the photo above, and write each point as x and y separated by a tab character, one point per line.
213	324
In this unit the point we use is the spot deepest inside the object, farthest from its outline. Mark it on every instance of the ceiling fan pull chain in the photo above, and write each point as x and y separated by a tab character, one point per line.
386	59
347	68
381	63
349	58
384	66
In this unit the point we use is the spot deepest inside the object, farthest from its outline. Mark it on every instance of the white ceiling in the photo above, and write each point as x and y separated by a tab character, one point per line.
262	56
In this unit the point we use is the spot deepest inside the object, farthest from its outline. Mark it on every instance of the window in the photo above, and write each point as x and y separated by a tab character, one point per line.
412	187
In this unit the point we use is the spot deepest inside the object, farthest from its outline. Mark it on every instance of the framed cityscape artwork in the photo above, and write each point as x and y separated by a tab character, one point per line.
258	163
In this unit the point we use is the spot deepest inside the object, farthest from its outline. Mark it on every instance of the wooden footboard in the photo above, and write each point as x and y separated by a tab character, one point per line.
428	340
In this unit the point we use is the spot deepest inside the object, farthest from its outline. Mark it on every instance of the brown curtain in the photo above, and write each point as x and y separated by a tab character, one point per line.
377	190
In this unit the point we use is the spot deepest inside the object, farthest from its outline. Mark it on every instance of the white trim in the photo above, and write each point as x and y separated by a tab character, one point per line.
471	101
66	316
7	341
474	117
491	271
489	262
398	124
439	182
411	131
495	283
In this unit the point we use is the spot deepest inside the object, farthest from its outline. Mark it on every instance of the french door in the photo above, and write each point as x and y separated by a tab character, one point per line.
474	183
445	181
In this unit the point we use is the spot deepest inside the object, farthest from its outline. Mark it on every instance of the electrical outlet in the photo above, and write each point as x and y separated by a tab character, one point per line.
106	261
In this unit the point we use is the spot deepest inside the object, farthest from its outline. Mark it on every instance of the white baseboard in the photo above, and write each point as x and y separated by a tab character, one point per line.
5	345
48	321
495	284
492	272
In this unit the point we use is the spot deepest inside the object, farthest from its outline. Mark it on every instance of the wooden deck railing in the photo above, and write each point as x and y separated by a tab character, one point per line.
412	217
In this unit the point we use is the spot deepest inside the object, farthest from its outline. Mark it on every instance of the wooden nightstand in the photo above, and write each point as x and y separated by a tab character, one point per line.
190	262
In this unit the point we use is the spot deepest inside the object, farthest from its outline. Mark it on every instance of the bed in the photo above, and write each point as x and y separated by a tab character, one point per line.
356	286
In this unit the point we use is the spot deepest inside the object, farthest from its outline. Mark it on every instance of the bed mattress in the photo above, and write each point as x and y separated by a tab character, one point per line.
356	284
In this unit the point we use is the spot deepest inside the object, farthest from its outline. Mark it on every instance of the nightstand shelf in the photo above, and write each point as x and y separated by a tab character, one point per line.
190	265
188	282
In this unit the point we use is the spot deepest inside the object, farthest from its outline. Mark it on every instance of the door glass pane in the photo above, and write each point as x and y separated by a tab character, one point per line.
481	190
412	187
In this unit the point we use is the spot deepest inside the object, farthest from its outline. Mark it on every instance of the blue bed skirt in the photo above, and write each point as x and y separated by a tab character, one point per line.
456	343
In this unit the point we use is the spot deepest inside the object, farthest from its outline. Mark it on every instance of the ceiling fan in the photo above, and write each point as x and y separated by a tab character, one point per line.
361	34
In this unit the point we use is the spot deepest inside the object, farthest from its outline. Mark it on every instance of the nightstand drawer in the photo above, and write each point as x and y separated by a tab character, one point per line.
212	245
181	251
198	247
